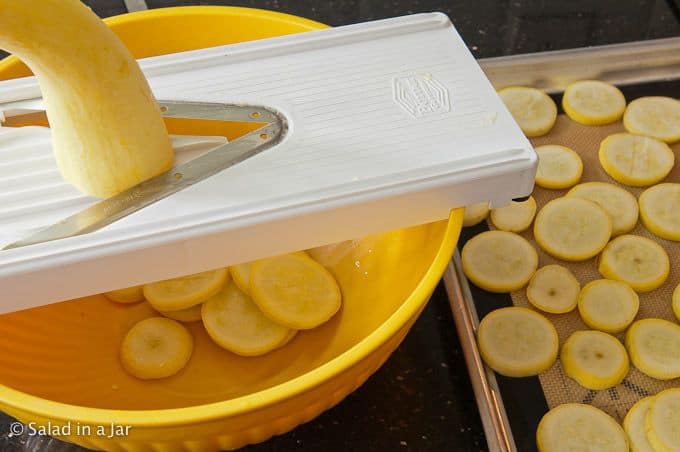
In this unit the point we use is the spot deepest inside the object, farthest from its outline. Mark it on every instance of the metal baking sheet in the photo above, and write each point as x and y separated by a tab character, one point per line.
511	408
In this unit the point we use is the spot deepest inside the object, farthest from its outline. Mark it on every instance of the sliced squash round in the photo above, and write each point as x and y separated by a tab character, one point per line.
634	425
660	210
475	214
559	167
128	295
663	420
517	342
295	291
654	116
156	348
241	275
607	305
618	202
577	426
181	293
638	261
636	160
653	346
188	315
236	324
554	289
592	102
572	229
516	217
594	359
534	111
499	261
676	302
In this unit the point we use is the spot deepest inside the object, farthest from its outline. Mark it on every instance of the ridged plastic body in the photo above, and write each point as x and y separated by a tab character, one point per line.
390	124
59	364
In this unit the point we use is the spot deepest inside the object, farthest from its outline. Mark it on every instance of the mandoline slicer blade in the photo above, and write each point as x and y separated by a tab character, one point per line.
390	124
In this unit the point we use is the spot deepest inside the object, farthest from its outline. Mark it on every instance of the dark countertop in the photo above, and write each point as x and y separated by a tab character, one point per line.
498	27
422	400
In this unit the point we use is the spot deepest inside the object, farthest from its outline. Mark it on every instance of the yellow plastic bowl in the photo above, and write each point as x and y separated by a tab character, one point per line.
59	364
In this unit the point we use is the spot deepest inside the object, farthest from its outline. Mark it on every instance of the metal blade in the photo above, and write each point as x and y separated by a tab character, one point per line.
209	111
123	204
19	118
216	111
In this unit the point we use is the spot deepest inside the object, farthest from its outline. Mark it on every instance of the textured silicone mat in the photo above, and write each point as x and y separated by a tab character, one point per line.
557	387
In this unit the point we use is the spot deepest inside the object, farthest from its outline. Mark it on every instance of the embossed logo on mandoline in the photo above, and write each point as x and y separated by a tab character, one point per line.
421	95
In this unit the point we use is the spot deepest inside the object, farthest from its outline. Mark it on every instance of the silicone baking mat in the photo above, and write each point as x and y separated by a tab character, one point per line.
526	400
557	387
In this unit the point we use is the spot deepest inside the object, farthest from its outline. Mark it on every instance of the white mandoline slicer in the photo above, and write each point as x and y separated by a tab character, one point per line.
373	127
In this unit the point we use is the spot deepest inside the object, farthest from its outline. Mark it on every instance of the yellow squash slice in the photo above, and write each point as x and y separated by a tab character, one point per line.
660	210
676	302
634	426
593	103
594	359
619	203
534	111
241	275
516	217
128	295
156	348
236	324
654	116
553	289
182	293
662	423
654	348
291	335
638	261
499	261
607	305
558	167
107	129
295	291
580	427
572	229
635	160
517	342
475	214
188	315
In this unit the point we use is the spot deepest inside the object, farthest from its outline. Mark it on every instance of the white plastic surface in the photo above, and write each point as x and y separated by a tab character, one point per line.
392	123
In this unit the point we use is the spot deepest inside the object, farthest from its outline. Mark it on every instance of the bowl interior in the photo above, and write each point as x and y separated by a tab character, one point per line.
171	30
68	352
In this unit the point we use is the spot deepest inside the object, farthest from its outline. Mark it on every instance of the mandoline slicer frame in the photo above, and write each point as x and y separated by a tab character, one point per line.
390	123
